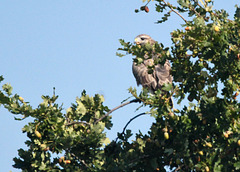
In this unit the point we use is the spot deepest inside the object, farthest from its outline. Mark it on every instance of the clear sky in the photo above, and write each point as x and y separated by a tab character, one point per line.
71	45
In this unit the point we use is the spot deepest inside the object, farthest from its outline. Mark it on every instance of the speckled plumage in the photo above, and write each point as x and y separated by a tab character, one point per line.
161	73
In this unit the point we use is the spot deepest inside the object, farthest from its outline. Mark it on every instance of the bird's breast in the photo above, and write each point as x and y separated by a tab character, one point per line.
149	62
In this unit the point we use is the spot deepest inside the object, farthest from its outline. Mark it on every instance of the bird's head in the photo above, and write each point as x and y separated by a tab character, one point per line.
143	39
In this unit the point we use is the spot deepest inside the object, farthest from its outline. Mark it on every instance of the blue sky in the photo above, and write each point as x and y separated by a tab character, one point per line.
71	45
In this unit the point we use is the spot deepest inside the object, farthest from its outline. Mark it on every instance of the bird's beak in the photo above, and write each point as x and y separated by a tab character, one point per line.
137	41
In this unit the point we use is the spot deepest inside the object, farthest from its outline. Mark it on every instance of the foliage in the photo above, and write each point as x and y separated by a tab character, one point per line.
205	66
76	135
201	136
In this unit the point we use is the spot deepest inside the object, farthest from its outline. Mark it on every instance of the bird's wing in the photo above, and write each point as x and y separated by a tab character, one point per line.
162	74
143	77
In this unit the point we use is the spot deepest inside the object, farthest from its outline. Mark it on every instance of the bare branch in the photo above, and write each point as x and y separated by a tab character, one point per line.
169	6
177	169
194	10
144	113
82	161
147	3
77	122
124	104
133	119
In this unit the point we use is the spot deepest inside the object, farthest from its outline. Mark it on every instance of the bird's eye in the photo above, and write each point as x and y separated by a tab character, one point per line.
142	39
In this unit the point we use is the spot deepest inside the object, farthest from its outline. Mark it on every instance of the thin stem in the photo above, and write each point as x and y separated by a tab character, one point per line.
130	122
77	122
169	6
193	9
147	3
124	104
54	91
177	169
202	3
82	161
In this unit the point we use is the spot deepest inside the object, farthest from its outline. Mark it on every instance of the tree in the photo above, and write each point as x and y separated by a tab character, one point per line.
201	136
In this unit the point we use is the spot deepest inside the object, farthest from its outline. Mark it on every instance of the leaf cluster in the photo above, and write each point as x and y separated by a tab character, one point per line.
58	141
205	58
202	135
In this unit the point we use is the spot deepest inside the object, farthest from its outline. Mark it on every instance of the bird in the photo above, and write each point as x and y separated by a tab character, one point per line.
161	73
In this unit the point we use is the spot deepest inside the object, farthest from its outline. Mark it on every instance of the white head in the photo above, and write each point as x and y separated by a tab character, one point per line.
143	39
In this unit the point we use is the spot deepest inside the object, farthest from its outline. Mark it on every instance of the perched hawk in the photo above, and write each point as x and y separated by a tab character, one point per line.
161	73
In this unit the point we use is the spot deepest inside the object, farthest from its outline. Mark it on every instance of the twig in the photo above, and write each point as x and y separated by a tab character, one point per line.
172	98
54	91
77	122
174	11
147	3
177	168
194	10
144	113
82	161
202	3
124	104
137	160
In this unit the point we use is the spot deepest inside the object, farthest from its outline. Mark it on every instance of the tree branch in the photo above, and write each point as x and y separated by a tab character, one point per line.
148	2
131	121
169	6
124	104
194	10
77	122
82	161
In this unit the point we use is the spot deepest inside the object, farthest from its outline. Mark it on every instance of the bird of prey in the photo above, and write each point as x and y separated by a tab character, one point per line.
161	73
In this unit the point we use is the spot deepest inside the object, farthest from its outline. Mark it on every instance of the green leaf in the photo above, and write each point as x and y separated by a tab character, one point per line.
204	74
217	166
138	60
42	166
80	108
7	88
3	99
154	163
168	151
148	46
119	54
237	13
237	165
106	141
167	87
1	78
18	119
